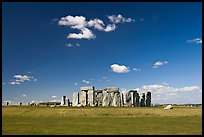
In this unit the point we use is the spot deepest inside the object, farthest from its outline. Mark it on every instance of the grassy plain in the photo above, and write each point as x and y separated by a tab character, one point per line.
101	120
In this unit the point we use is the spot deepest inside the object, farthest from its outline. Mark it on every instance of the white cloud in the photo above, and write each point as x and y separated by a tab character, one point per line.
136	69
68	45
15	83
110	27
188	89
7	101
168	94
84	34
77	22
97	24
80	23
119	68
85	81
24	95
163	89
71	45
3	83
75	84
119	19
196	40
23	78
159	63
54	96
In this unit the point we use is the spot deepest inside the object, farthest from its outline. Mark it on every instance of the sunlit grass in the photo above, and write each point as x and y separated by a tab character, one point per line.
101	120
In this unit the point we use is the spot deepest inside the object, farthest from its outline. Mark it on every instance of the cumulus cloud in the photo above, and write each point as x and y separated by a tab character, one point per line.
110	27
119	19
163	89
196	40
54	96
77	22
75	84
80	23
15	83
23	77
85	81
84	34
19	79
167	94
97	24
120	68
159	63
188	89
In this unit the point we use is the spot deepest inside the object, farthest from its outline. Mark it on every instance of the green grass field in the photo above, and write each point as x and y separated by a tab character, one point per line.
101	120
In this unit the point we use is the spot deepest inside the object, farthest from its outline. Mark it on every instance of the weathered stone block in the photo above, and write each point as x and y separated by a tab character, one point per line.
106	99
122	99
142	100
148	99
83	98
128	99
75	100
116	100
99	99
91	98
87	88
111	89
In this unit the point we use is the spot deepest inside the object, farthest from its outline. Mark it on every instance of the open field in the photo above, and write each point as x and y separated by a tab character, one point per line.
101	120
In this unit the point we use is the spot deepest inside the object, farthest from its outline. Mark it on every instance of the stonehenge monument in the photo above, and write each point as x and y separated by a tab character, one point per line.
110	96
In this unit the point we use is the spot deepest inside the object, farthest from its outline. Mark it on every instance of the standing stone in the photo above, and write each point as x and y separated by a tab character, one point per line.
122	99
66	102
142	100
91	98
111	98
137	99
75	100
7	103
111	91
116	100
63	100
83	98
106	99
128	99
132	98
100	99
148	99
20	104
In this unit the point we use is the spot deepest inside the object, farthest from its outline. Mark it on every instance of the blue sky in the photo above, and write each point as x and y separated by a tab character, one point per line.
52	49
